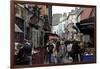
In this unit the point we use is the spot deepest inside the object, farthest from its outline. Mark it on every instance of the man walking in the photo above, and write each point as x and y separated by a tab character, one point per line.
28	52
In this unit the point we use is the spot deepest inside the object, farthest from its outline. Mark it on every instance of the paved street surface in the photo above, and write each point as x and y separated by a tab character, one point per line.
38	58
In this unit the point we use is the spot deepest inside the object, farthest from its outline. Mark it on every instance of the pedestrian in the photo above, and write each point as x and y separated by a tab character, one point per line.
57	45
61	53
28	52
20	55
69	50
49	50
76	52
54	54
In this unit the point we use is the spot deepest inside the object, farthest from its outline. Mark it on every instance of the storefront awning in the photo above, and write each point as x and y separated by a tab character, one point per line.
87	28
17	29
90	19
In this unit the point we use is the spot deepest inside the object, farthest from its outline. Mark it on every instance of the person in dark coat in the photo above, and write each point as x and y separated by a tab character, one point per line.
20	55
20	58
27	53
49	50
75	52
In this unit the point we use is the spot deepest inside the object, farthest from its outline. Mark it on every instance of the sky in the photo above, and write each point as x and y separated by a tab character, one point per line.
61	9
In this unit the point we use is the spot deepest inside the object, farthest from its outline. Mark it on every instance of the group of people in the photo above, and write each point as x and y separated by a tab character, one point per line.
58	51
23	53
61	51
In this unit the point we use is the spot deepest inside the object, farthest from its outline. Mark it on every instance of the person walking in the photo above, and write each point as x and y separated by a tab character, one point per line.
75	52
61	53
54	54
28	52
19	54
69	50
49	51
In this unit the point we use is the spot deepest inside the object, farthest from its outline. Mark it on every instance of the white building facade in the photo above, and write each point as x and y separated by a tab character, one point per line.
71	30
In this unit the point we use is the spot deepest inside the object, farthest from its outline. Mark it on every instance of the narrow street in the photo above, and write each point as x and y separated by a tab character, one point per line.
46	35
39	58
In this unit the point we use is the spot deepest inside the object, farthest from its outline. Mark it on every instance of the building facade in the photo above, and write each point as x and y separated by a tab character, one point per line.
34	22
71	30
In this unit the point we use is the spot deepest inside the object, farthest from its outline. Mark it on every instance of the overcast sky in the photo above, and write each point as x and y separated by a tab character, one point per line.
61	9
